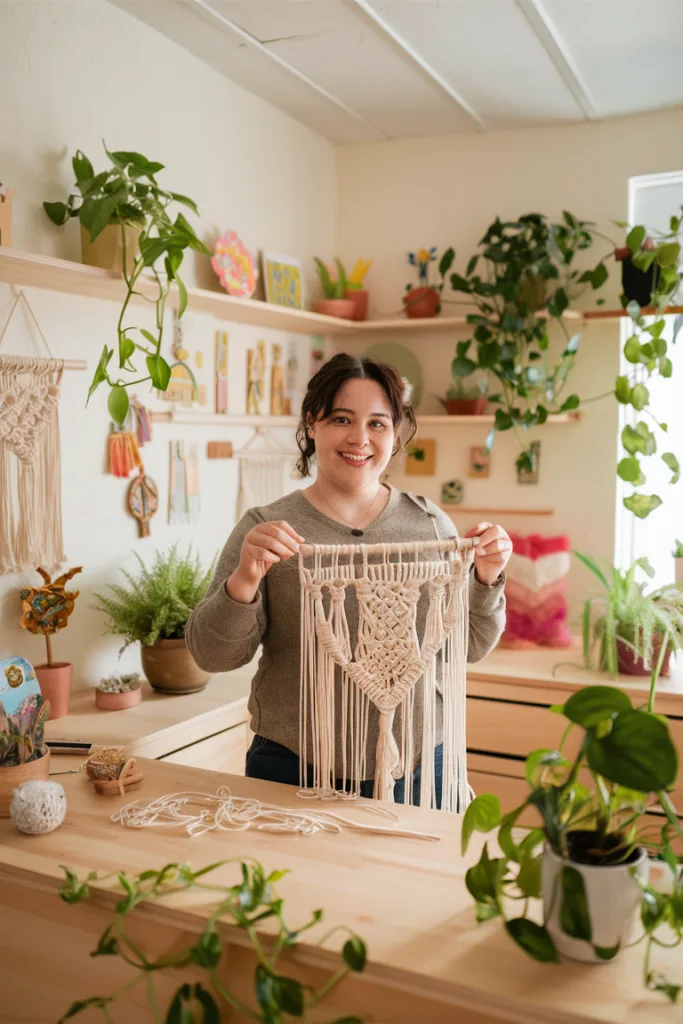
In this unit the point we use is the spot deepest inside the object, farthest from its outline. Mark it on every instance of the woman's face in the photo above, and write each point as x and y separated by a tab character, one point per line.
354	444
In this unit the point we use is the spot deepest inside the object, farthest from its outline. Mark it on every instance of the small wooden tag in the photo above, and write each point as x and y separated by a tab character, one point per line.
219	449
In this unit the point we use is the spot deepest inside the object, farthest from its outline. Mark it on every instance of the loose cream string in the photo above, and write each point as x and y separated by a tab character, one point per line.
225	812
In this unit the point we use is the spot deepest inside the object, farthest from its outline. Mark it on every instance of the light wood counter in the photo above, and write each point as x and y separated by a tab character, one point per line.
428	959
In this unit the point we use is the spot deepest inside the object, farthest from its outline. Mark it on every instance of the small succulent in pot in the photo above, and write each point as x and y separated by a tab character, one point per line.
120	683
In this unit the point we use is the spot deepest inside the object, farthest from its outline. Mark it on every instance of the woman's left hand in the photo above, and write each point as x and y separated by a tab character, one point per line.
492	553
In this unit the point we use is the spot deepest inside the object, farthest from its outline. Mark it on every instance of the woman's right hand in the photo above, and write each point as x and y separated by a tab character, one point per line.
264	546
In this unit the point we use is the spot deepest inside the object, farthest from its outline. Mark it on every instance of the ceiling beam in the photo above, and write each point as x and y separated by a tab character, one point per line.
431	73
252	41
557	50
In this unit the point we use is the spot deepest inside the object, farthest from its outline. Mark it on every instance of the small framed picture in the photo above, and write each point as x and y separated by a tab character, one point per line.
480	462
283	280
421	459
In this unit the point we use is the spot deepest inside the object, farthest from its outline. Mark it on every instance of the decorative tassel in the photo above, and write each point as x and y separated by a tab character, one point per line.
123	455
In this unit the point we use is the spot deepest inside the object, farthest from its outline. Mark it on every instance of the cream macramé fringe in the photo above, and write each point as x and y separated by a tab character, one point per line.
386	666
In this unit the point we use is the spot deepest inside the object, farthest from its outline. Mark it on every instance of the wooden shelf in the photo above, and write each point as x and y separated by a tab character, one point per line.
468	510
30	270
192	417
617	314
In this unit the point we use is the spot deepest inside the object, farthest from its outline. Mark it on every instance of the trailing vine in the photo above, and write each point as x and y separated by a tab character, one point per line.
247	903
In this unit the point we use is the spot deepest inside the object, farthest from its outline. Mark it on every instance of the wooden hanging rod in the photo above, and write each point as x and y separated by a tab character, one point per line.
69	364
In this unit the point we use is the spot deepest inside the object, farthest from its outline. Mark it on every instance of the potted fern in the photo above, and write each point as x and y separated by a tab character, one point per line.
637	631
152	610
335	302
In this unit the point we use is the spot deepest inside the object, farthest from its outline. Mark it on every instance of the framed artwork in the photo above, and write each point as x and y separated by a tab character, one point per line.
283	280
234	265
421	459
480	462
452	492
530	476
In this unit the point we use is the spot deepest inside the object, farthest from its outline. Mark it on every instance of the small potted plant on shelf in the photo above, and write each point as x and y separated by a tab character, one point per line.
636	631
117	692
23	752
153	610
335	302
126	226
355	290
587	859
677	555
424	302
46	610
465	401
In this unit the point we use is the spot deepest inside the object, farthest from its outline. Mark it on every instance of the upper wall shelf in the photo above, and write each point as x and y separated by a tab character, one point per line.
193	417
616	314
34	271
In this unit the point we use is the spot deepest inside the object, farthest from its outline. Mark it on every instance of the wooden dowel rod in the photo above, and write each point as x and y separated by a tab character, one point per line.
454	544
75	364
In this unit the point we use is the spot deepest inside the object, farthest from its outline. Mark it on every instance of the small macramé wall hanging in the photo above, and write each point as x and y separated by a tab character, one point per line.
30	461
389	665
262	461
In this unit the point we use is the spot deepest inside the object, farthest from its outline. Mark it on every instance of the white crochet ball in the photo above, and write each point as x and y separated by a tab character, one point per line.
38	806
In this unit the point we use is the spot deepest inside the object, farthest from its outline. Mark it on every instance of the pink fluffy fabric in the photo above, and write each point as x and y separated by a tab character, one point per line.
537	618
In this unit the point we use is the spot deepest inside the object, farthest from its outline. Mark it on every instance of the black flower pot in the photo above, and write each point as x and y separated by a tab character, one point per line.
638	284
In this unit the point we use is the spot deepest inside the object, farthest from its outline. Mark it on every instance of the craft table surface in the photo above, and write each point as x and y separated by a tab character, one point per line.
405	897
545	669
161	723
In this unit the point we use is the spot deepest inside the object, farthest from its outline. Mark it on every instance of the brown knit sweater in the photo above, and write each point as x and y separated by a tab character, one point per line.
223	634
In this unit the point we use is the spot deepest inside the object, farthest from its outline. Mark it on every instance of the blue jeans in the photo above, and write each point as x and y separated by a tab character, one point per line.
275	763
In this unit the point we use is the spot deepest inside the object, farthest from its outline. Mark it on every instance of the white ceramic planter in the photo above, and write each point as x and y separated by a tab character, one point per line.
678	571
613	896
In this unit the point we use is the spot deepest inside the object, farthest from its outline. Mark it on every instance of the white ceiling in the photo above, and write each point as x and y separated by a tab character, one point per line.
365	70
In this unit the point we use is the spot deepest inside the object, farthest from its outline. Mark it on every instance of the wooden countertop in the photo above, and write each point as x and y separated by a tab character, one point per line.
405	897
161	723
551	674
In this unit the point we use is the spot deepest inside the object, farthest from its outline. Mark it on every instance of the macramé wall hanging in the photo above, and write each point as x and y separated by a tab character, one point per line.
30	469
390	662
261	464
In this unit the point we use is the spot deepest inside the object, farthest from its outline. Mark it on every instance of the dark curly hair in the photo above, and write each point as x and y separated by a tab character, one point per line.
324	387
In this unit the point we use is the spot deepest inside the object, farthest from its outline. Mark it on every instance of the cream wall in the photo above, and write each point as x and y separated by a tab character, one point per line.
71	74
398	196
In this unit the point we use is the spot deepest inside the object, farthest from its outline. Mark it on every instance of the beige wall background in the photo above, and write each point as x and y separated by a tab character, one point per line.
71	74
398	196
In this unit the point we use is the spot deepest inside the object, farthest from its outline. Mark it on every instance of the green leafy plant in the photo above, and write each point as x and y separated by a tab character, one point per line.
332	289
245	905
127	193
678	550
647	625
630	759
156	604
521	283
459	390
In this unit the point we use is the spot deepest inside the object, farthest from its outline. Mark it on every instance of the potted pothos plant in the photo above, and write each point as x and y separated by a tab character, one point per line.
636	632
153	609
521	283
125	203
587	859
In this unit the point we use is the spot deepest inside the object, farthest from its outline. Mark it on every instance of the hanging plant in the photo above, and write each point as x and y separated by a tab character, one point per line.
128	194
521	282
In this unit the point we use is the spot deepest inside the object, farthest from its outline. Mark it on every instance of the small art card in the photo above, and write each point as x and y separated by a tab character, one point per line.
283	280
480	462
452	492
421	459
17	680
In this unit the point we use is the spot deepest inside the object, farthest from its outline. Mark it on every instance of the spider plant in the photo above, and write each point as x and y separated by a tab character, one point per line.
647	624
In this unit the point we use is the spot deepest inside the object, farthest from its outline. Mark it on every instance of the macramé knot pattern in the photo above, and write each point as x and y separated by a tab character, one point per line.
38	806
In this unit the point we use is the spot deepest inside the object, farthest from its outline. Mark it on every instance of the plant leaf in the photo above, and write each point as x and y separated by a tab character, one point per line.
574	916
637	752
57	212
159	371
606	952
642	504
593	704
354	953
118	404
482	815
533	939
100	374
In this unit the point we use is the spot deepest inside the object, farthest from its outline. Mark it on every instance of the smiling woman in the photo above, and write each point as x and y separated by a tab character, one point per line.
355	416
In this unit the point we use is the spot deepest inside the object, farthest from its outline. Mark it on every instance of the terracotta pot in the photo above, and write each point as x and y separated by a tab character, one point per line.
170	668
10	778
55	684
107	249
118	701
422	303
678	571
464	406
359	297
631	665
343	309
